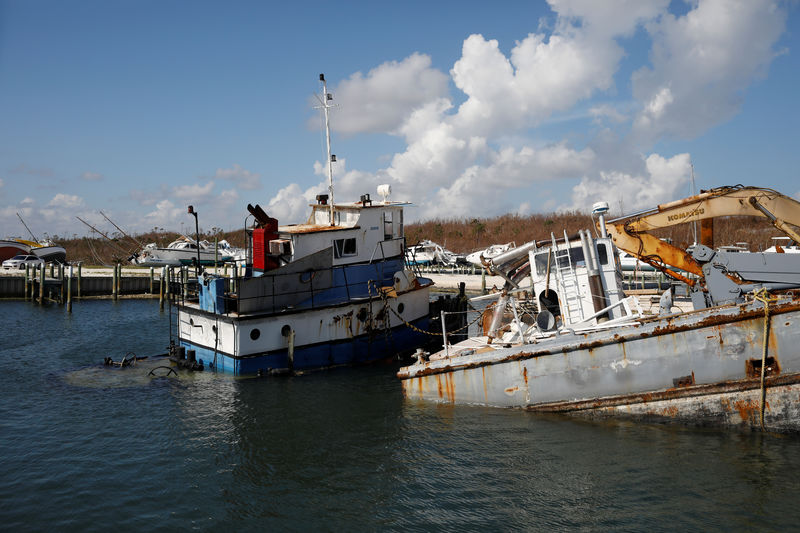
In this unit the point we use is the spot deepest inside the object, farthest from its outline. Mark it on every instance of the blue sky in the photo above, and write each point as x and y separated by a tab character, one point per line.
466	108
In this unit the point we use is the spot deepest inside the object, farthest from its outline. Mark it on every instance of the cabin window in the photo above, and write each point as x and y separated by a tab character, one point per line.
602	254
344	248
387	226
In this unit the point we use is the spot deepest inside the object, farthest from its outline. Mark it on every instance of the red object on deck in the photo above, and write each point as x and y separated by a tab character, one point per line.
261	237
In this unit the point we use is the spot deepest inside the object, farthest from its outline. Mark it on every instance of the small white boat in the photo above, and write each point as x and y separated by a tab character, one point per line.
184	251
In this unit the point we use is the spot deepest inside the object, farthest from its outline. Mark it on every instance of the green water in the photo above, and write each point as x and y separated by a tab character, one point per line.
88	448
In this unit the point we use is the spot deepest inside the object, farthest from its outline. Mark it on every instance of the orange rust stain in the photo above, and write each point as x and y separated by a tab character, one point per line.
748	409
511	390
439	385
671	411
485	391
525	375
451	390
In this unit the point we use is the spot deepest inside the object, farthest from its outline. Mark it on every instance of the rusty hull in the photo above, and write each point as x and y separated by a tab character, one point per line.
697	367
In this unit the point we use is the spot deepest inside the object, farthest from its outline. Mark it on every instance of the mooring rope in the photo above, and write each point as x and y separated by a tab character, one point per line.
382	295
763	296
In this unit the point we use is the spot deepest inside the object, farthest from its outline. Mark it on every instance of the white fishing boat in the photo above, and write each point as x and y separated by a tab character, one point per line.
591	351
328	292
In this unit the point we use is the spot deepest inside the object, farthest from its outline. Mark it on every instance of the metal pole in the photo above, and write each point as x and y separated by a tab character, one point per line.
197	238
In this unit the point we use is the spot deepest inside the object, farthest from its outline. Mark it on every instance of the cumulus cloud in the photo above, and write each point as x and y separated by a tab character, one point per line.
243	178
66	201
469	158
195	192
701	64
382	100
291	203
661	180
165	214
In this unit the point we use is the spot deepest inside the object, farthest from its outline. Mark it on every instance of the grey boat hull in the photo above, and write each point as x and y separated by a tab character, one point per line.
700	367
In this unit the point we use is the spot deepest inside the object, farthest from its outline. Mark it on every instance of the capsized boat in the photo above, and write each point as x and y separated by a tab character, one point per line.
489	252
588	349
12	247
332	291
428	252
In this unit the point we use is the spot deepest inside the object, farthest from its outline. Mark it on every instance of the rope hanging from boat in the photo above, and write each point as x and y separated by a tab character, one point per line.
763	296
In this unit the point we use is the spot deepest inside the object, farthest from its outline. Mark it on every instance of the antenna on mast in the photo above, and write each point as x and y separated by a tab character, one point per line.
326	97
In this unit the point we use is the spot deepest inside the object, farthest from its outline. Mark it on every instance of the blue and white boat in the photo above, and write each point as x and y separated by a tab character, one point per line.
330	292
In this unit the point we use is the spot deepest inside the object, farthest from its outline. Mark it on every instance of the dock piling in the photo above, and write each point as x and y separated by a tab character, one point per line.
69	290
41	286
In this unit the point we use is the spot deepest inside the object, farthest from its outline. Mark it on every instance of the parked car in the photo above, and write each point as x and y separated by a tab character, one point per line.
18	262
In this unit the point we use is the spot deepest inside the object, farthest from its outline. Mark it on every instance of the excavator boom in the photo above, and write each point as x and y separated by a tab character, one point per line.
631	232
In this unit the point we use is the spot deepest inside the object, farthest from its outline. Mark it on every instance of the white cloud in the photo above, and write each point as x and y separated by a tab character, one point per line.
382	100
91	176
165	215
701	64
243	178
195	192
290	205
660	180
66	201
469	159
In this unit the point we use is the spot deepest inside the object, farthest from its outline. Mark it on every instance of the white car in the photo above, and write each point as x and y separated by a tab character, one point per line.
18	262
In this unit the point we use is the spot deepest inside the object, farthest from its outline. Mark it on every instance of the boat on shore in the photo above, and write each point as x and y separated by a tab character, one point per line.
185	251
430	253
45	250
587	349
332	291
12	247
477	258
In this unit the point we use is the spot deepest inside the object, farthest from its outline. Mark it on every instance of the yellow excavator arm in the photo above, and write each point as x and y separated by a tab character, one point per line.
631	232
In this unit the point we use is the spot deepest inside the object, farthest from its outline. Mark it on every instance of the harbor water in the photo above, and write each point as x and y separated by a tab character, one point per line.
90	448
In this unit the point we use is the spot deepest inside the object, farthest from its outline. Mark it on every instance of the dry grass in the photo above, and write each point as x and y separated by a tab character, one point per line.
460	236
463	236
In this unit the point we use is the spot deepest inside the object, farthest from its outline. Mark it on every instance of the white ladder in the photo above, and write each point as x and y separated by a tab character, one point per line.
567	279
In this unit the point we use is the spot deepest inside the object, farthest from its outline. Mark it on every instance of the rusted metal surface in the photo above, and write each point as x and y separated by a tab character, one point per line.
673	359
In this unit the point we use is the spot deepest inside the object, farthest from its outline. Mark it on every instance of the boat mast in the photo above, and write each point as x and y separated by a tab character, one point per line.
326	96
27	228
